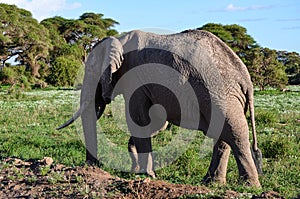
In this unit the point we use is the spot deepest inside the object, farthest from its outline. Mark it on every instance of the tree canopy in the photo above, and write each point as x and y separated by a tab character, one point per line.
54	49
54	45
22	37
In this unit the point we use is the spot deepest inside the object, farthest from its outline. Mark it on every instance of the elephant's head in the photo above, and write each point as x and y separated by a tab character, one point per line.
104	59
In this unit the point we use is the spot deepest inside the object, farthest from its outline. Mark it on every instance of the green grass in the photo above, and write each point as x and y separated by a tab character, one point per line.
28	121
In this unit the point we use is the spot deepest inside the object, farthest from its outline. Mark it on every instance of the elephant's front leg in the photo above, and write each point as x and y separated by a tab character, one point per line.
140	150
135	167
237	136
218	165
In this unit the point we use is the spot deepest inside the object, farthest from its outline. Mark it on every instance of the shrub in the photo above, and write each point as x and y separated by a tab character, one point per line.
8	75
64	71
15	75
265	117
275	147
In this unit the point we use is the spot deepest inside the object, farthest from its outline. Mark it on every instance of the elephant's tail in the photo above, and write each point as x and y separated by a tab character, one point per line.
252	118
255	151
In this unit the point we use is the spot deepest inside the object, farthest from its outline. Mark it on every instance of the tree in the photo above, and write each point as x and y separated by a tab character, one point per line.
84	32
266	70
291	61
73	39
22	37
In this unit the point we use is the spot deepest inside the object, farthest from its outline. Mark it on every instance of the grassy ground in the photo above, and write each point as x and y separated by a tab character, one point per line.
28	121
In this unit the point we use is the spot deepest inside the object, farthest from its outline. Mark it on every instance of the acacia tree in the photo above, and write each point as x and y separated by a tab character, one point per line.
84	32
23	38
72	40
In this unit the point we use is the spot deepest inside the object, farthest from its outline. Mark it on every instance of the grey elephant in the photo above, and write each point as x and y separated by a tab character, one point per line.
191	79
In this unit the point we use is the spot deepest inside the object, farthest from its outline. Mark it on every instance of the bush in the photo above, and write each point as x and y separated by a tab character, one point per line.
275	147
265	117
64	71
15	75
8	75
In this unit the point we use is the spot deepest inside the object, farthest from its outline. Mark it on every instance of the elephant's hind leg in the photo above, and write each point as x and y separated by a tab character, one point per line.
218	164
237	136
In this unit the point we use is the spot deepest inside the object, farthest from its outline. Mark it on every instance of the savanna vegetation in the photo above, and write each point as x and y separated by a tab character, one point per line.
30	118
51	53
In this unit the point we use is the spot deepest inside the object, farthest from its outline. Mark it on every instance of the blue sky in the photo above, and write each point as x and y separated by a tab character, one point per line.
272	23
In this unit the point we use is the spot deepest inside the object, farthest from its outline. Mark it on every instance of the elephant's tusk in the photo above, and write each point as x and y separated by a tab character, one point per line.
75	116
70	121
78	114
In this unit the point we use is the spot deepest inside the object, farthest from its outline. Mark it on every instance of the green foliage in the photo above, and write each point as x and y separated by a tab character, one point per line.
23	38
41	46
266	70
266	117
64	71
28	127
291	61
275	146
15	75
83	32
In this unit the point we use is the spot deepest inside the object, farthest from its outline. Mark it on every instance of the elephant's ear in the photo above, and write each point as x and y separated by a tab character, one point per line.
110	52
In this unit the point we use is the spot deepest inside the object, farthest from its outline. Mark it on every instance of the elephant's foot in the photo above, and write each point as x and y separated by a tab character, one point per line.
142	163
209	179
136	169
146	164
251	182
91	160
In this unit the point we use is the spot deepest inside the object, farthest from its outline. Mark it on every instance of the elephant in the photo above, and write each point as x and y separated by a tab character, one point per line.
191	79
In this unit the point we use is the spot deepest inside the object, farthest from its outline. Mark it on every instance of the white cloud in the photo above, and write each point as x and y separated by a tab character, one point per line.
42	9
232	7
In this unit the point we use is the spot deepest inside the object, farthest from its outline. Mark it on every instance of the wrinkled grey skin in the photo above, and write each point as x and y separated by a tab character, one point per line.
204	57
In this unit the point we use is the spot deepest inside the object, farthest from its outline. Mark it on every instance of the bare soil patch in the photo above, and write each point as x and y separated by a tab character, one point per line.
43	179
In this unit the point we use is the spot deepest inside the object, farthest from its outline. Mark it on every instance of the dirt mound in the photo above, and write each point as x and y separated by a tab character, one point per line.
43	179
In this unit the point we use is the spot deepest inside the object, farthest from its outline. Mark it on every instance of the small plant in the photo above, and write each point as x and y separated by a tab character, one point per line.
44	170
56	177
31	180
275	147
266	117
